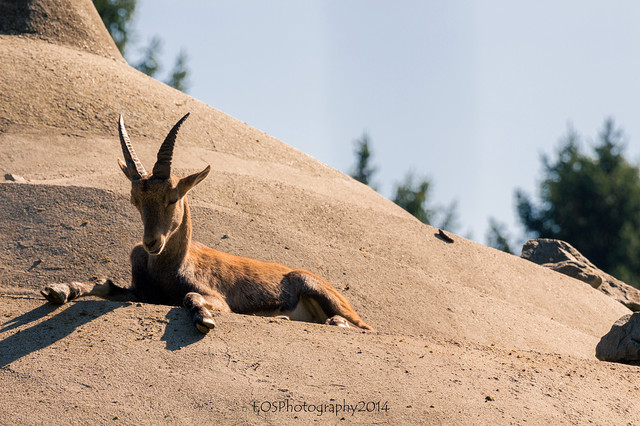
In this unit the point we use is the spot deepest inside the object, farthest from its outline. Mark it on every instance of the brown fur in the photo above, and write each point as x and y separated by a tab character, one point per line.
169	268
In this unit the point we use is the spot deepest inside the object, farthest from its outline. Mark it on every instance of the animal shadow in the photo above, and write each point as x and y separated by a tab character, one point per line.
179	331
43	334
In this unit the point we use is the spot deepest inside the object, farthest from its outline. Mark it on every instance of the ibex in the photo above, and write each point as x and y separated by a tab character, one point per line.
168	268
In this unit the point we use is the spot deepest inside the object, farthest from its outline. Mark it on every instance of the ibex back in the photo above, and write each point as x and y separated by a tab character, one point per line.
167	267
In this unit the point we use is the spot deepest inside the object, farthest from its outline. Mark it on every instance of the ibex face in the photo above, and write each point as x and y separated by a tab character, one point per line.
158	196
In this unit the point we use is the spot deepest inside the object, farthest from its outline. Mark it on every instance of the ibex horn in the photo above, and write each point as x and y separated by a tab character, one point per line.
131	159
162	168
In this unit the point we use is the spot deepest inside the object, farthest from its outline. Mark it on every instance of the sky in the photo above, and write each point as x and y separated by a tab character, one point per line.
469	94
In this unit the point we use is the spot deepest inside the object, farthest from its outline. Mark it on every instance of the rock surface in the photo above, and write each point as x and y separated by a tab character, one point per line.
564	258
466	334
71	23
101	362
622	342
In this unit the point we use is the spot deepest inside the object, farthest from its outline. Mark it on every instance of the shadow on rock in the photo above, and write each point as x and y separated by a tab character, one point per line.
29	317
180	331
50	331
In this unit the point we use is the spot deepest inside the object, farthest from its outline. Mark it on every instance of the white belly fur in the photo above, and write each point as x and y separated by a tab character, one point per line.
307	310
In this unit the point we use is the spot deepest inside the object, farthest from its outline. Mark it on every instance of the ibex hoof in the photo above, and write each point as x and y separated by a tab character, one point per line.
57	294
205	324
338	321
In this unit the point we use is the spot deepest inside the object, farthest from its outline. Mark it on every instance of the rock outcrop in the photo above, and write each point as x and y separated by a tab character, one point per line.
622	342
68	22
564	258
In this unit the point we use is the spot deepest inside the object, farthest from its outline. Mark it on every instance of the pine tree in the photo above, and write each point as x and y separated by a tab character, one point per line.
592	202
363	170
117	16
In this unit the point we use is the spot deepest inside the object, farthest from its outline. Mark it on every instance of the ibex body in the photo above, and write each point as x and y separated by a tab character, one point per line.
169	268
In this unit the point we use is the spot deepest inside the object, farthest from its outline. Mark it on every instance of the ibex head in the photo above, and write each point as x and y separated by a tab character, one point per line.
158	196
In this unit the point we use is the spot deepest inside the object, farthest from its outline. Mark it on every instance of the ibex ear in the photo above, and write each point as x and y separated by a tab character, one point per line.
189	182
125	169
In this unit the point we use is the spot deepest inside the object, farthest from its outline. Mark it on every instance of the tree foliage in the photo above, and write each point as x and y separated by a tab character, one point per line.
363	170
412	195
117	16
178	75
149	63
592	202
498	237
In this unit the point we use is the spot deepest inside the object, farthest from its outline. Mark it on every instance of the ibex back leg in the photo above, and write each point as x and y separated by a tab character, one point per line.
317	294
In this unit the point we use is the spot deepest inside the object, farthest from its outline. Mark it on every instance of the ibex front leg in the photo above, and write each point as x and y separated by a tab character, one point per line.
61	293
200	307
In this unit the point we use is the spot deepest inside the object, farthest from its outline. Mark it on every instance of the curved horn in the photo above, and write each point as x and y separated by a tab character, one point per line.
162	168
130	156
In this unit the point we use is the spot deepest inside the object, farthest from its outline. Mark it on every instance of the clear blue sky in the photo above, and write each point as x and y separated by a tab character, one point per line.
466	93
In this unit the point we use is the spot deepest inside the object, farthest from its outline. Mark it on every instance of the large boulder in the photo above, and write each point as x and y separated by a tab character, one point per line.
564	258
622	342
